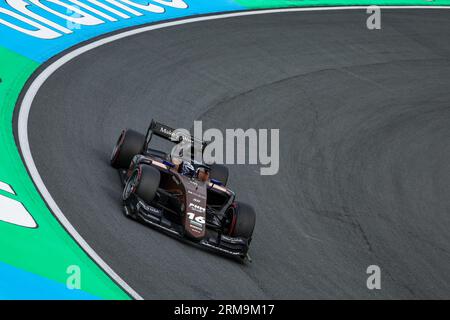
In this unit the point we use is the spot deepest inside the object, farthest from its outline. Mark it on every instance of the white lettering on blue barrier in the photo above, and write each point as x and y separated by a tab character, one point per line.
82	14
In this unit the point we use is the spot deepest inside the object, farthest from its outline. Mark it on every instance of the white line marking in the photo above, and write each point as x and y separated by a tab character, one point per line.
25	107
6	187
15	213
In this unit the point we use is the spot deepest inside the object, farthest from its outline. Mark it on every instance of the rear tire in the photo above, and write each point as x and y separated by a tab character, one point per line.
243	221
220	173
129	144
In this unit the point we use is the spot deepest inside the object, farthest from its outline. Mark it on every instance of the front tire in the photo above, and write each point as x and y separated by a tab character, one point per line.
243	221
129	144
144	182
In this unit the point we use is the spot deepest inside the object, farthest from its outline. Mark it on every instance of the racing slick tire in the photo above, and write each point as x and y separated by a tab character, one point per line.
220	173
147	182
129	144
243	223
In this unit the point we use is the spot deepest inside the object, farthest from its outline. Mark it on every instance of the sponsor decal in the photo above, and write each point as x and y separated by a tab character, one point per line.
196	207
196	229
195	218
196	224
194	183
166	131
196	194
153	210
148	208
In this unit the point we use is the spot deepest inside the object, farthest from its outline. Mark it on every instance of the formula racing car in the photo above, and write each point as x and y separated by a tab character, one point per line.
185	198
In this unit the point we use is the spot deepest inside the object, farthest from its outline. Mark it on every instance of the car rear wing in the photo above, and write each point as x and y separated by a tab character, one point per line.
174	135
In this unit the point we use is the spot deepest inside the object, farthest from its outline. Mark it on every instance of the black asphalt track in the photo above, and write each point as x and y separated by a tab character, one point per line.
364	119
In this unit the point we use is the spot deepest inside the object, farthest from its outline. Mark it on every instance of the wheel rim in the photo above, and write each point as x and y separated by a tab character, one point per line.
130	185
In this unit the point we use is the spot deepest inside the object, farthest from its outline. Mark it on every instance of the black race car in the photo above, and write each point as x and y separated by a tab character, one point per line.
187	199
